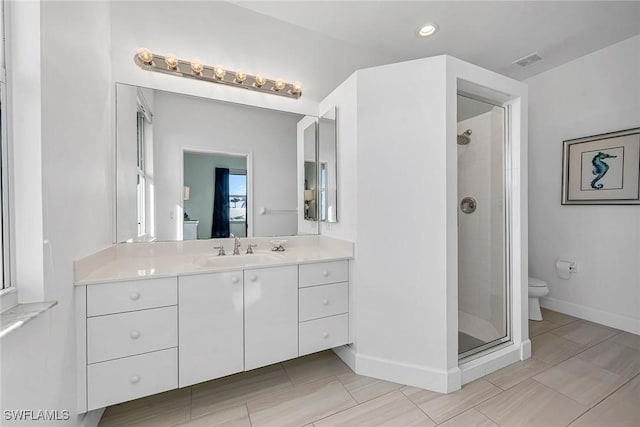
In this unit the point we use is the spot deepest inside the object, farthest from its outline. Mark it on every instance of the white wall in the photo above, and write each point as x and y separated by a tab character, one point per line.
594	94
38	361
399	143
184	122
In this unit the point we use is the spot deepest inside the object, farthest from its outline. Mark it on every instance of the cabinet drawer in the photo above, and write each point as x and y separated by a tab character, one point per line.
322	273
323	301
126	334
131	295
321	334
131	377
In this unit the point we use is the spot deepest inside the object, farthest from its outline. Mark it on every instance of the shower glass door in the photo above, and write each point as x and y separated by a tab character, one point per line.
483	286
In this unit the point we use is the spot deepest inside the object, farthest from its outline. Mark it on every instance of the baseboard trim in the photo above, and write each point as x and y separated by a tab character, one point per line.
400	372
91	418
612	320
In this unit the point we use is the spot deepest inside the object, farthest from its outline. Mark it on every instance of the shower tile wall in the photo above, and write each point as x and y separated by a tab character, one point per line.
481	234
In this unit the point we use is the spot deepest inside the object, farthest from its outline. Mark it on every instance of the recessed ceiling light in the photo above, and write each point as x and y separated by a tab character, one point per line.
428	30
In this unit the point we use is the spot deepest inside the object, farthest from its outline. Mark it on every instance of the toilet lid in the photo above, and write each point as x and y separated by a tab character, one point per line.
536	283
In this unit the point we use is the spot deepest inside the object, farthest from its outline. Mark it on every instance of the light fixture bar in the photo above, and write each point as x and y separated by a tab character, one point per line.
215	74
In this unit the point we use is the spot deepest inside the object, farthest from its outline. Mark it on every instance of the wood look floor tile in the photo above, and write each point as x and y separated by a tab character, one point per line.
517	372
471	418
621	409
161	410
364	388
441	408
302	404
557	318
585	333
420	396
236	416
314	367
613	357
531	404
537	327
580	380
237	389
553	349
630	340
392	409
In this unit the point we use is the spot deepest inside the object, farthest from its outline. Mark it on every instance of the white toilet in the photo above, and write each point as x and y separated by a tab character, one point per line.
537	289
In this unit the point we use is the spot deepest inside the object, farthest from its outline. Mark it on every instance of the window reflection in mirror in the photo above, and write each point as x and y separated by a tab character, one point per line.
215	195
328	176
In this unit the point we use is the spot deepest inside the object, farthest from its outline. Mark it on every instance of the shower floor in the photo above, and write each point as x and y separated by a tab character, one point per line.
467	342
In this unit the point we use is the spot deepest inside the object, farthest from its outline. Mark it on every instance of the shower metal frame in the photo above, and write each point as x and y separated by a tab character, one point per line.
506	340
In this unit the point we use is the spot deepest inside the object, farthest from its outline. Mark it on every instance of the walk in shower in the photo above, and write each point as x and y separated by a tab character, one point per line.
483	285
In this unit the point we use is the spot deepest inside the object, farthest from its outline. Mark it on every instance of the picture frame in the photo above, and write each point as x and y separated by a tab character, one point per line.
602	169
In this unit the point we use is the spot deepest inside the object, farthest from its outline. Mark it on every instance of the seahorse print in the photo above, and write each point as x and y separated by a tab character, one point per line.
600	169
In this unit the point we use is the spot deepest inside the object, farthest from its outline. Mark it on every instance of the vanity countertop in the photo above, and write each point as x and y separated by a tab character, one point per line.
134	261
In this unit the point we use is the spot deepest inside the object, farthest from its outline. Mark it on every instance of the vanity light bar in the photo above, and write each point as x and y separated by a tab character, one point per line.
169	64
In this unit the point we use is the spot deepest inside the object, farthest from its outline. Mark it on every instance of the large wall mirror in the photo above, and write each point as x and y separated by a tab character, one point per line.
195	168
328	166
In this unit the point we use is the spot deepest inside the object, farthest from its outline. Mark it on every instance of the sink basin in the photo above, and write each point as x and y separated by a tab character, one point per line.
236	260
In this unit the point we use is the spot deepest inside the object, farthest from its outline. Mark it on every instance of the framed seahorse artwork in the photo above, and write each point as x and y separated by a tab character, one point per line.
602	169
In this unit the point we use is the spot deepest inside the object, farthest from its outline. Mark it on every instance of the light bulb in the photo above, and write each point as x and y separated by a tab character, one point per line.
219	72
240	76
171	61
196	66
260	80
279	85
296	88
428	30
145	55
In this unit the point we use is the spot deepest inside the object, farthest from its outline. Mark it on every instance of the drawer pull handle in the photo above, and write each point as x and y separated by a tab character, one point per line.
253	278
325	335
134	335
325	302
325	273
235	279
134	296
134	379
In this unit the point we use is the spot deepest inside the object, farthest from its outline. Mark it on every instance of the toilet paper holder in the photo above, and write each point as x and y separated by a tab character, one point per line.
564	268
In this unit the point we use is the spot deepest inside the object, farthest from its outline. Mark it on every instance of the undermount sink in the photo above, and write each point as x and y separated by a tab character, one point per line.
236	260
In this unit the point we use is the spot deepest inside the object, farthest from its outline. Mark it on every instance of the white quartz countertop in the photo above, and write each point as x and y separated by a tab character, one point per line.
154	260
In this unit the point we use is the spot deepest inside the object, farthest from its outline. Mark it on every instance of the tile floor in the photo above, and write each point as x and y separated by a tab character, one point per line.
580	374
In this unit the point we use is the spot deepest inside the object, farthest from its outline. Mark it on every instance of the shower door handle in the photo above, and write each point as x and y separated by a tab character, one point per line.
468	205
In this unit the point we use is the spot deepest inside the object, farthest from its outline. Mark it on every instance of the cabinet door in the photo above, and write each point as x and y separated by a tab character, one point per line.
271	315
210	326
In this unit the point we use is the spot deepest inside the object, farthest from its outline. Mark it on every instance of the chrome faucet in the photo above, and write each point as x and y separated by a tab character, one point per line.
236	245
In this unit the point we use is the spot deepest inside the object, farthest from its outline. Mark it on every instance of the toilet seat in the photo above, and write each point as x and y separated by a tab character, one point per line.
536	283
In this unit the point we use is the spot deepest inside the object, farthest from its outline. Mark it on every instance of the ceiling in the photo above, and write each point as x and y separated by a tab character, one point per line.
321	43
489	34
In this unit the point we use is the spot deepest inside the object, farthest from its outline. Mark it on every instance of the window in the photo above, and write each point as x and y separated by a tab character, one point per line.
141	177
4	196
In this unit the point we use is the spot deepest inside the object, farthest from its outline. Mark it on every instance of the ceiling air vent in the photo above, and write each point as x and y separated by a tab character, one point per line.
528	60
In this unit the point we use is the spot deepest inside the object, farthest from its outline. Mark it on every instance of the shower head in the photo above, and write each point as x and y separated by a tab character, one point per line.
463	138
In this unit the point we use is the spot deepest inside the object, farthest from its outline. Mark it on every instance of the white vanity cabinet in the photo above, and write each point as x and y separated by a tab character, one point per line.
142	337
211	326
271	315
324	306
128	339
